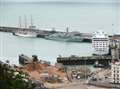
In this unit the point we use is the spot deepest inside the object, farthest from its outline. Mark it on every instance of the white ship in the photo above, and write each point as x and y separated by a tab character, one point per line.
25	34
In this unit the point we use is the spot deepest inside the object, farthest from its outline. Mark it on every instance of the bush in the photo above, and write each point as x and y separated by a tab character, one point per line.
11	79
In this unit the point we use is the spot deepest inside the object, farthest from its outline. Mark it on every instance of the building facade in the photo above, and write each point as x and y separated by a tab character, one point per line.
100	43
115	72
115	47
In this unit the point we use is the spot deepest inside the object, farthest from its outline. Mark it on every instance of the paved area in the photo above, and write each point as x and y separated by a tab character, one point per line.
76	85
79	86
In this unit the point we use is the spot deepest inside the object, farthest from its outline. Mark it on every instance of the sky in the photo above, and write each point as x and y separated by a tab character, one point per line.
109	1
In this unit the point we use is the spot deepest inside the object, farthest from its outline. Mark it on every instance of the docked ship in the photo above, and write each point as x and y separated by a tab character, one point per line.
67	37
25	34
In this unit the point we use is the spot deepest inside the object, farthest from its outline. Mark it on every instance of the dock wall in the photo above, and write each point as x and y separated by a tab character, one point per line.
84	60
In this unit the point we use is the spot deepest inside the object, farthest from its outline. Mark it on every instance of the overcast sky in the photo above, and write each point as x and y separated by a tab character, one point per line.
62	0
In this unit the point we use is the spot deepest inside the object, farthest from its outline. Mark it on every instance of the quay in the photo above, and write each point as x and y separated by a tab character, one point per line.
86	60
42	33
38	32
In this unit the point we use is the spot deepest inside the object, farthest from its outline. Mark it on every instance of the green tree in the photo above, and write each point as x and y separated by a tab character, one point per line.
11	79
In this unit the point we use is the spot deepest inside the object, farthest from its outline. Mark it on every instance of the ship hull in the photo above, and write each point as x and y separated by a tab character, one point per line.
64	39
25	35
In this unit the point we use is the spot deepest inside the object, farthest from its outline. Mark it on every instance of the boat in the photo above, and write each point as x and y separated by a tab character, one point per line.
68	37
24	34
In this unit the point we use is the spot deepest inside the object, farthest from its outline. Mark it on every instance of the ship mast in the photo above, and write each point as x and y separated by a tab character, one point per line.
31	21
25	19
32	24
19	25
67	30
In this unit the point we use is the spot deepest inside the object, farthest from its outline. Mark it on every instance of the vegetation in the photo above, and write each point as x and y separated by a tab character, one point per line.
11	79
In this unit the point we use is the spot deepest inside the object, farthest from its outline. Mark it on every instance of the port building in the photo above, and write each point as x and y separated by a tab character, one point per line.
115	53
115	47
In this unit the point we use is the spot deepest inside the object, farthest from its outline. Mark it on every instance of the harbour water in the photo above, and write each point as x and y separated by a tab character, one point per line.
12	46
85	17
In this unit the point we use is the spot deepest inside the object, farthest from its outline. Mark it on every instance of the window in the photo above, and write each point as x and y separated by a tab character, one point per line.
118	72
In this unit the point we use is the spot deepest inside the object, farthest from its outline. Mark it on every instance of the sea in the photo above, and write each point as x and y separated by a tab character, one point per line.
82	17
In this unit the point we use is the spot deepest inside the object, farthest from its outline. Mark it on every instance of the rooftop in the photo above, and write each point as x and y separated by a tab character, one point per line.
117	33
117	63
100	34
117	37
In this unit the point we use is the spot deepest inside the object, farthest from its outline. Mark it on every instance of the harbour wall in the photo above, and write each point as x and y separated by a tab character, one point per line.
90	60
39	32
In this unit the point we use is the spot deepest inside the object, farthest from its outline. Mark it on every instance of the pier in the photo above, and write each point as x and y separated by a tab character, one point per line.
40	32
86	60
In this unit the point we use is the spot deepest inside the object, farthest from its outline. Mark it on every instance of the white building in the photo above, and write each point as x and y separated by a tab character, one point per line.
115	72
100	43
